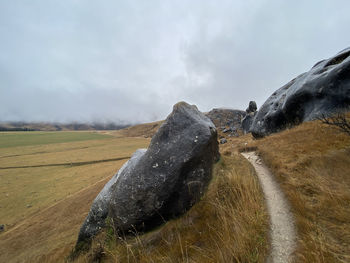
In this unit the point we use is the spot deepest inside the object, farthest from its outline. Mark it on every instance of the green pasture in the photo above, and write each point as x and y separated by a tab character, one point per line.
15	139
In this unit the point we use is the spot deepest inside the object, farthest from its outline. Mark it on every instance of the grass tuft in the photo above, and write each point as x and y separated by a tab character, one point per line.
312	165
229	224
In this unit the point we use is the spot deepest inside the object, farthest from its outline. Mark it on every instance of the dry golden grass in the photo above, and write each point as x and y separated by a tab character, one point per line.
229	224
312	165
58	197
140	130
43	186
49	234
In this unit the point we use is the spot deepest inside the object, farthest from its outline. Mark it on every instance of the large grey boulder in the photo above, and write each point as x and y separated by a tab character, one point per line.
322	90
161	182
98	213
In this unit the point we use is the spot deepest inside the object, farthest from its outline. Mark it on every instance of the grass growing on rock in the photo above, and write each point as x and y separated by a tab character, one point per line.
229	224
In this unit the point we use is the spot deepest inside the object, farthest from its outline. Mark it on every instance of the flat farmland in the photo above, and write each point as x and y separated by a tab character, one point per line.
42	177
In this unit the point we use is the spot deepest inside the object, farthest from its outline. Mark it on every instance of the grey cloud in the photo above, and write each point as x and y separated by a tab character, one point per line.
131	60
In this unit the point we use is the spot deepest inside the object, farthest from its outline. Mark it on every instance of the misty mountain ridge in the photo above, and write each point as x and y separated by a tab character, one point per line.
55	126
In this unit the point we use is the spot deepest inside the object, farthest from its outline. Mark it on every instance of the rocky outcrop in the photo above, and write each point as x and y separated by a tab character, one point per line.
228	120
252	107
161	182
248	119
322	90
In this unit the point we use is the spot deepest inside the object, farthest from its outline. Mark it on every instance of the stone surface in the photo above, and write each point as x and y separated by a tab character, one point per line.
322	90
98	213
247	121
223	140
161	182
226	117
252	107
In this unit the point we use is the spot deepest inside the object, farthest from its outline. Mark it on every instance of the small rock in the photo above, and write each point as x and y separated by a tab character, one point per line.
252	107
2	228
226	130
248	118
223	140
29	206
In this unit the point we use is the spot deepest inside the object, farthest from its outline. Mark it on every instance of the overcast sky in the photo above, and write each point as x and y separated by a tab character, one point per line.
130	61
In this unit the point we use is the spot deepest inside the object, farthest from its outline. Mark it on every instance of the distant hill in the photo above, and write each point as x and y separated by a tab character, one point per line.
141	130
221	117
45	126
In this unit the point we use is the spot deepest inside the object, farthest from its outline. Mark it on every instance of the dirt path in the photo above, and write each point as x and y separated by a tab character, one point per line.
282	231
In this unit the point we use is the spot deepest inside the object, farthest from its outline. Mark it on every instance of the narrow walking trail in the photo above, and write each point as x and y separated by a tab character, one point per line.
282	230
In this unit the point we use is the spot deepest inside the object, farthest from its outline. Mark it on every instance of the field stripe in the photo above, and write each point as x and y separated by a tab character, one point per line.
67	164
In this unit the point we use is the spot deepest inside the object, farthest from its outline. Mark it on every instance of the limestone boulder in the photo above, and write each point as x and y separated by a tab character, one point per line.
161	182
323	90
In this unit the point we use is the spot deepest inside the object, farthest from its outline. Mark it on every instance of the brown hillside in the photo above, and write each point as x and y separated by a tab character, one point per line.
312	164
49	235
141	130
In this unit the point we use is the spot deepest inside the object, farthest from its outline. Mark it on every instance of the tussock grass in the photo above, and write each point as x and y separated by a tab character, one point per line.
312	165
229	224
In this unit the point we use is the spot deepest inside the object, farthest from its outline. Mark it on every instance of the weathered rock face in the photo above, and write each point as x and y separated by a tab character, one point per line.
322	90
98	213
228	120
248	119
161	182
252	107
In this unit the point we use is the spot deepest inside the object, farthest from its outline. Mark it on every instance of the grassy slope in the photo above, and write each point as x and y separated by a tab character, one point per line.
228	225
19	139
230	222
59	197
312	164
50	233
144	130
